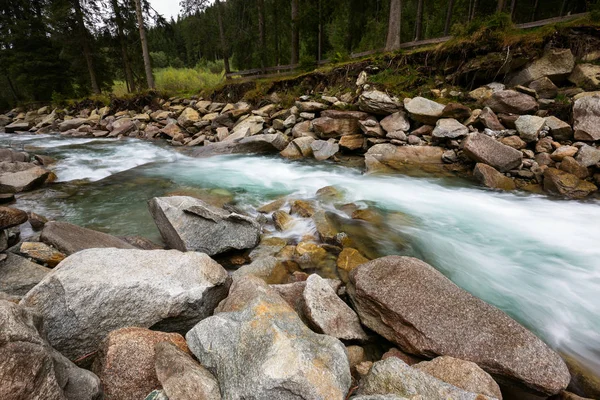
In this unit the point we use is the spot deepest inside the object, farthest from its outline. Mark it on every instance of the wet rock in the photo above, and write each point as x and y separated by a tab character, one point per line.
327	313
189	224
69	238
23	181
566	184
10	217
37	221
257	144
100	290
393	376
72	124
544	87
491	178
382	157
512	102
18	275
282	220
303	208
482	148
17	126
586	114
324	150
555	64
414	306
378	103
142	243
181	377
269	269
396	122
348	260
586	76
465	375
299	148
30	368
558	129
529	127
255	327
327	128
448	128
125	362
424	110
42	253
588	156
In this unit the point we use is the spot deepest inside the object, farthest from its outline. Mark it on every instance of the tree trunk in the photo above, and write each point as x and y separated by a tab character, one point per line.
534	12
224	47
394	26
145	53
295	34
320	38
126	64
12	88
448	17
419	24
473	11
563	8
276	38
87	53
513	9
500	6
261	34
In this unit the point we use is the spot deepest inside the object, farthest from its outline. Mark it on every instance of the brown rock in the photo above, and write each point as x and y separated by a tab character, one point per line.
544	145
559	130
512	102
125	362
566	184
69	238
545	88
352	142
564	151
37	221
396	122
514	141
572	166
282	220
10	217
482	148
42	253
491	178
489	120
303	208
457	111
382	157
348	260
327	127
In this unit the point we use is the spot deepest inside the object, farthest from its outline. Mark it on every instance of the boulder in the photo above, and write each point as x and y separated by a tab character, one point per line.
566	184
173	131
383	157
352	142
11	156
327	313
69	238
246	127
311	106
529	127
588	156
181	377
465	375
572	166
414	306
457	111
74	123
489	119
257	347
30	368
303	129
125	362
188	117
482	148
396	122
189	224
562	152
327	127
424	110
125	127
18	275
324	150
10	217
17	126
42	253
449	128
270	269
490	177
394	376
514	141
586	114
555	64
586	76
96	291
545	88
22	181
512	102
378	103
558	129
257	144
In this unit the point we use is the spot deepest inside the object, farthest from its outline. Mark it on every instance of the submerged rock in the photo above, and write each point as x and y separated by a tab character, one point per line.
96	291
189	224
414	306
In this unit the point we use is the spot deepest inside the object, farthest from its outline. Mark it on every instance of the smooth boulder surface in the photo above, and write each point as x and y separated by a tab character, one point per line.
257	144
394	376
512	102
324	150
189	224
482	148
96	291
414	306
30	368
21	181
10	217
328	127
565	184
382	157
378	103
424	110
586	116
18	275
69	238
449	128
257	347
555	64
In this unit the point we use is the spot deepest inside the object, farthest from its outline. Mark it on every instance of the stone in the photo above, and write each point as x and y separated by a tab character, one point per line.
72	124
37	221
481	94
586	114
482	148
188	117
303	129
190	224
564	151
256	144
282	220
327	313
448	128
414	306
545	88
379	103
457	111
565	184
424	110
512	102
10	217
303	208
173	131
17	126
304	145
586	76
383	157
292	293
311	106
555	64
352	142
97	291
324	150
69	238
19	275
588	156
246	127
465	375
396	122
394	376
490	120
181	377
327	127
397	135
255	327
529	127
30	368
42	253
122	129
125	362
559	129
339	114
348	260
292	151
514	141
23	181
490	177
269	269
570	165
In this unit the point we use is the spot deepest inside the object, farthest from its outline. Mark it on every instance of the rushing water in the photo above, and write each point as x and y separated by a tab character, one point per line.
536	258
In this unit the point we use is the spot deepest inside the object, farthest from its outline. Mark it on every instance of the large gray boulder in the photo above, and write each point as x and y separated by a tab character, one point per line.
21	181
482	148
189	224
94	292
586	114
18	275
69	238
257	347
379	103
449	128
555	64
424	110
267	143
414	306
17	126
529	127
388	157
512	102
73	123
394	376
30	368
324	150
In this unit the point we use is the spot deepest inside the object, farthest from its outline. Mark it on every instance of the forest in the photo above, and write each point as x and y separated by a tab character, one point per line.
51	50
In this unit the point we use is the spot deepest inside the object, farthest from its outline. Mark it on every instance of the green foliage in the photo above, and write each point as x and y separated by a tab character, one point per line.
499	22
595	12
185	80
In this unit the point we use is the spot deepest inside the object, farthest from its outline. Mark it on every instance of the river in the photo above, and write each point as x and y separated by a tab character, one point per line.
536	258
